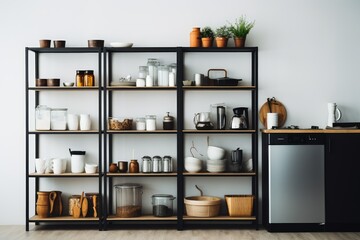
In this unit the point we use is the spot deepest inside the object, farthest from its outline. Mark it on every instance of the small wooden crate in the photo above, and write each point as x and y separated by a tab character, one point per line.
239	205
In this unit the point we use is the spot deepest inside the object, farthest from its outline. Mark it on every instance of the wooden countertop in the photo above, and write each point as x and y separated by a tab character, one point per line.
333	130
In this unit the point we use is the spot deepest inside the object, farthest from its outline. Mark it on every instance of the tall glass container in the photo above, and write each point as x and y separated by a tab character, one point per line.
42	118
128	200
153	65
58	118
163	76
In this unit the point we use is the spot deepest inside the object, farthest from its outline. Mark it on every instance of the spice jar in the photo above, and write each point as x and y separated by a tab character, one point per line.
80	78
157	164
133	166
150	122
89	79
168	122
146	164
42	119
153	65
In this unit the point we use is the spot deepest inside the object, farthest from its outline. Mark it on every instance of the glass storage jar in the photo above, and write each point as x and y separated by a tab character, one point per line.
143	71
80	78
42	118
89	79
162	205
163	76
153	65
140	124
58	118
128	200
150	122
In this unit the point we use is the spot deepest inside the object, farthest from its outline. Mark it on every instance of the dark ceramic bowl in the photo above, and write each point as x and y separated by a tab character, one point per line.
44	43
59	43
53	82
41	82
95	43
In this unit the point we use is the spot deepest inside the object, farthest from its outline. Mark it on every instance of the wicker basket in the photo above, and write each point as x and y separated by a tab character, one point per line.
202	206
239	205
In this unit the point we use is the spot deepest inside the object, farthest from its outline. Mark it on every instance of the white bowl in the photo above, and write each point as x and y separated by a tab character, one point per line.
121	44
90	168
215	153
187	82
193	164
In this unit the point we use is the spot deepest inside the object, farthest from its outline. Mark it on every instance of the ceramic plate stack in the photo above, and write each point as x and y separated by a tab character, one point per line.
216	166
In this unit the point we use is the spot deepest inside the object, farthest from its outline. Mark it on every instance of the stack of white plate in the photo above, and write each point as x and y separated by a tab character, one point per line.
216	166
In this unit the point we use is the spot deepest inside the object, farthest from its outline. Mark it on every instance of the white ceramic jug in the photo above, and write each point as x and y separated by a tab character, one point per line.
334	114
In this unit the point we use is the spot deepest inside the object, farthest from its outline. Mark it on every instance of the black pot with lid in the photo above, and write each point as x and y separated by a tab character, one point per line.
168	122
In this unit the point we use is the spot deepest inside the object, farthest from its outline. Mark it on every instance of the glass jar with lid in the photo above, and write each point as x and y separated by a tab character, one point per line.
167	164
89	79
140	124
146	164
150	122
128	200
153	65
157	164
80	78
162	205
58	118
42	117
163	76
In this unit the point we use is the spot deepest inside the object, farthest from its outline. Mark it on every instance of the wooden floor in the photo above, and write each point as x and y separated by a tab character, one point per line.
40	233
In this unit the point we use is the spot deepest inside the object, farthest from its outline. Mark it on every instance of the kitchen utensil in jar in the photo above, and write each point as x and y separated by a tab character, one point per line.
275	106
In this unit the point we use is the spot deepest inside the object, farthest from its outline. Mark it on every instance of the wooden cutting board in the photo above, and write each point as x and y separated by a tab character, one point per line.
276	107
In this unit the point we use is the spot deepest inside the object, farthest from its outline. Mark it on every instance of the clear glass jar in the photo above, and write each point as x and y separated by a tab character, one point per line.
162	205
146	164
163	76
140	124
157	164
153	65
128	200
143	71
80	78
58	119
150	122
42	117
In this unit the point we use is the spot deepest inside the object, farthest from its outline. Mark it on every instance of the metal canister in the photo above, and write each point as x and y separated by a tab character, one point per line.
146	164
167	164
157	164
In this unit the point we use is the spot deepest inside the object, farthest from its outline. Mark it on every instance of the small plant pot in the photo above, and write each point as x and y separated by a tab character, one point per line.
221	42
239	41
207	42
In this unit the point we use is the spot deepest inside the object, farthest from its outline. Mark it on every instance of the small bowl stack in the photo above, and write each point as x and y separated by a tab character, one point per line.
216	162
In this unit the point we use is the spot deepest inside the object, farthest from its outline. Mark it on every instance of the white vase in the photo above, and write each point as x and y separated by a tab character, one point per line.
85	122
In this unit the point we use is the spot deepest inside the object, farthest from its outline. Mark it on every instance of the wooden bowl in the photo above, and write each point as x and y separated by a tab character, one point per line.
95	43
59	43
53	82
44	43
202	206
41	82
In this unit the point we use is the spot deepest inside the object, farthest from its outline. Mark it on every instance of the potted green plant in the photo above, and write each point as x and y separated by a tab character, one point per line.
240	29
222	35
207	36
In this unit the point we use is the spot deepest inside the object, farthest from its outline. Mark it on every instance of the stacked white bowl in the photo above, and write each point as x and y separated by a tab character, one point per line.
193	165
216	162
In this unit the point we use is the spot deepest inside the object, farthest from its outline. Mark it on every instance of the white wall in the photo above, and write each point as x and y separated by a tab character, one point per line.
309	55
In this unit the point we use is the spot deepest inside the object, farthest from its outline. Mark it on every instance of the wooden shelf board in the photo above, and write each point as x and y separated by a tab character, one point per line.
64	131
142	218
220	174
141	174
142	132
218	131
226	218
140	88
64	175
36	218
219	87
337	130
64	88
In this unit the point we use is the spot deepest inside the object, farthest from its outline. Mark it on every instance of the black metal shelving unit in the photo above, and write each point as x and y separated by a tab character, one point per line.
29	107
105	61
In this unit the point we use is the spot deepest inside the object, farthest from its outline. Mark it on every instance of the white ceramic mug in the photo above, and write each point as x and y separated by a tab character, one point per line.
40	165
197	79
57	165
85	122
73	121
272	120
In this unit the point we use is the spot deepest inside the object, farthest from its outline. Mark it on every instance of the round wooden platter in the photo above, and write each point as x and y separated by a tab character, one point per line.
276	107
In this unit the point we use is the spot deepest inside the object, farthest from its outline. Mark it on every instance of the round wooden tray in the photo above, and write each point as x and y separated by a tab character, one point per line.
276	107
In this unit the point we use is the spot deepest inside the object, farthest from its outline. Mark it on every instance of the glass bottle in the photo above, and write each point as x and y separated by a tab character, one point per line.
80	78
153	65
89	79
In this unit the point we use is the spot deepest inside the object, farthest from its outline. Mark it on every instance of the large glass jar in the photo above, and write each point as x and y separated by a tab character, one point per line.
162	205
163	76
150	122
58	118
42	118
128	200
153	65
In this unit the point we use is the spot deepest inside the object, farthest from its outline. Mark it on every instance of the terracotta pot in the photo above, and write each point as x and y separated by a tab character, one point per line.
207	42
239	41
195	39
113	168
221	42
43	204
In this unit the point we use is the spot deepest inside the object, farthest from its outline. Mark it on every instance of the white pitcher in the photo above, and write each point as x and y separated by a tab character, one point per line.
334	114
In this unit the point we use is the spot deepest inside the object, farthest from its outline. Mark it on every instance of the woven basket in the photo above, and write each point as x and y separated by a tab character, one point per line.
239	205
202	206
